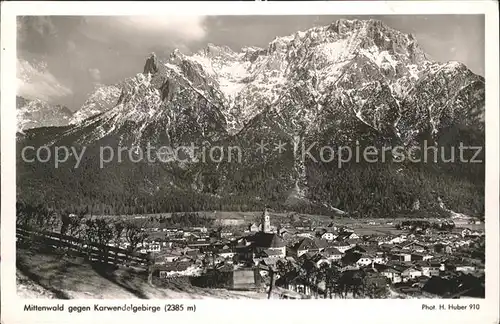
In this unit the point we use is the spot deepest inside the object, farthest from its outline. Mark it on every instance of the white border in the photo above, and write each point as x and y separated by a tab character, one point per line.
378	311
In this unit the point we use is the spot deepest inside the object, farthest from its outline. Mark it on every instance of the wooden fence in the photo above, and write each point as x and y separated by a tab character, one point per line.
75	246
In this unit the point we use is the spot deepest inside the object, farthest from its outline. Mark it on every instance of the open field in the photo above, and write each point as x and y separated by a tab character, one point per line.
41	275
230	217
474	227
252	216
363	226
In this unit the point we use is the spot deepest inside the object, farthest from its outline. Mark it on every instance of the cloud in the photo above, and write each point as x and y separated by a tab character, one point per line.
95	74
34	81
143	31
189	27
71	46
29	27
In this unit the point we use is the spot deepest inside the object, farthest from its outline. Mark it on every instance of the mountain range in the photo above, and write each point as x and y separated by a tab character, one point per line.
353	83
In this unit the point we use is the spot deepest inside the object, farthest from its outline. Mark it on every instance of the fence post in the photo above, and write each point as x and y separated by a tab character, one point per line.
271	284
150	261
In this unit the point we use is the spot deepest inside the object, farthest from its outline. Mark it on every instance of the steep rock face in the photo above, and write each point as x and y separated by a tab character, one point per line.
381	75
171	105
446	95
37	113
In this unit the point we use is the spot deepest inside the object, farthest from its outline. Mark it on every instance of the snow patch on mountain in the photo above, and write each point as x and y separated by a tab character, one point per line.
103	98
38	113
295	76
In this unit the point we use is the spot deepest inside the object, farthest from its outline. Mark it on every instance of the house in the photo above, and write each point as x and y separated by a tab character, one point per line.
321	261
476	233
393	274
303	246
150	247
371	241
402	256
185	258
295	283
398	240
268	261
190	235
379	258
253	227
244	253
153	247
308	235
421	256
332	227
466	232
243	242
321	243
394	248
458	287
202	229
329	236
353	242
385	247
282	293
341	246
245	279
347	235
269	253
166	244
319	231
226	234
430	269
364	261
414	246
353	236
359	248
283	232
261	241
411	273
332	253
226	252
174	269
171	256
225	267
443	248
465	268
199	243
315	258
191	252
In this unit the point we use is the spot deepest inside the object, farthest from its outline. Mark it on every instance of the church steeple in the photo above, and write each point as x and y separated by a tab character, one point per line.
266	222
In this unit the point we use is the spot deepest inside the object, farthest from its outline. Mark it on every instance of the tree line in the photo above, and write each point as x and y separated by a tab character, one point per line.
413	225
101	231
360	189
336	283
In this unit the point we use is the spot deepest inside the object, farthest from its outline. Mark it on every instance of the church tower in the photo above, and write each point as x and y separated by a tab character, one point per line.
266	222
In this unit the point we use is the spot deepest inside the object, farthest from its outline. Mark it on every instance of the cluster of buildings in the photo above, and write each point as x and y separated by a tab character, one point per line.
409	261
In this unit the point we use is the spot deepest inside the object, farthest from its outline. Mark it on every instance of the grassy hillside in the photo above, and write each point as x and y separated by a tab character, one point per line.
42	275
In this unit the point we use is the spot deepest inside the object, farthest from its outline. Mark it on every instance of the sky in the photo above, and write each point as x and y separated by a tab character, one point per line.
61	59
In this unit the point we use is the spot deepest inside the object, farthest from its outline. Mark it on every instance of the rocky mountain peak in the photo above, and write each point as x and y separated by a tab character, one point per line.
295	74
35	113
151	65
215	51
101	99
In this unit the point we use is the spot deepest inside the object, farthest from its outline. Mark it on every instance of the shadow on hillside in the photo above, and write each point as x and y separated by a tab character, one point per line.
39	280
124	280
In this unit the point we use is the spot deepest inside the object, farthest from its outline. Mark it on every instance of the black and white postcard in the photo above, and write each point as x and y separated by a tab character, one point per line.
170	161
